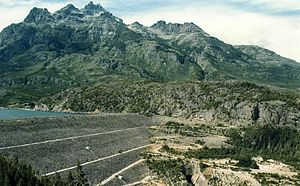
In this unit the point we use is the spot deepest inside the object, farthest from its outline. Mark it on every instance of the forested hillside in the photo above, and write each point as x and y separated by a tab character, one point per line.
237	102
17	173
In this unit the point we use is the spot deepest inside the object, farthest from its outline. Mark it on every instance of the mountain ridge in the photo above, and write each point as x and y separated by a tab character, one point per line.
73	47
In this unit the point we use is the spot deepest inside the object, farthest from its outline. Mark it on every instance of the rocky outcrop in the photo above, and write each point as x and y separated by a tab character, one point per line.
198	178
92	9
39	15
41	107
175	29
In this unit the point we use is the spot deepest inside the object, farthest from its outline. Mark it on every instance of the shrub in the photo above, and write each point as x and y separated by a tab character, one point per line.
247	162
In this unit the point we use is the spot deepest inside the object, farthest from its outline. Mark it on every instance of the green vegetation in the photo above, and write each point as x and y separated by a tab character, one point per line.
270	178
79	178
270	142
13	172
213	153
168	149
17	173
268	138
247	162
174	125
279	143
184	100
203	166
200	142
171	170
189	131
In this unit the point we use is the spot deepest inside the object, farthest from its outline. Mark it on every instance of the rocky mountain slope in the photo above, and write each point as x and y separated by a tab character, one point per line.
51	52
236	103
220	60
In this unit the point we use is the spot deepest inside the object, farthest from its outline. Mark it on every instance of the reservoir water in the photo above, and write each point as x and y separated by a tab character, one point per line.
19	114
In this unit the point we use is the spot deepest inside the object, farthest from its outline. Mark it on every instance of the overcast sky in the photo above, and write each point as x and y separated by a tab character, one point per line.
273	24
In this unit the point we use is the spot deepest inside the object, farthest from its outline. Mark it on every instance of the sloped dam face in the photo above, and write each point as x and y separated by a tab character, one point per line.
104	143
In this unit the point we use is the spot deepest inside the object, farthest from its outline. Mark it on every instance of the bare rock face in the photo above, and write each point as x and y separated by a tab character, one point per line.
41	107
198	178
92	9
247	113
278	113
39	15
175	29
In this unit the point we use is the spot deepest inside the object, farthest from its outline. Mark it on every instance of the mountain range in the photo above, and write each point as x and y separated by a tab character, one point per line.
49	53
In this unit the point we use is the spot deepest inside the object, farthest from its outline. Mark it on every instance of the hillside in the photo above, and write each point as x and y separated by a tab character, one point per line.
222	61
50	52
237	103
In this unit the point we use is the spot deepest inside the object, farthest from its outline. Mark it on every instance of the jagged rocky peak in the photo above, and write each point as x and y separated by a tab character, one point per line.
69	9
191	27
159	24
176	28
137	24
109	17
69	12
91	9
139	28
39	15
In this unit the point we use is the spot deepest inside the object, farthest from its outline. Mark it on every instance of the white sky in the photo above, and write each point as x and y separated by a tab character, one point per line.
273	24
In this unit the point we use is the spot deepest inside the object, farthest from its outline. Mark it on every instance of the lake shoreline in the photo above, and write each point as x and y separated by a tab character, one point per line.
38	110
23	113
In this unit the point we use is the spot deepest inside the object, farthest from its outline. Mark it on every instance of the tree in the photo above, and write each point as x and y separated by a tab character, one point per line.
247	162
70	179
18	173
21	182
57	181
7	181
80	179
